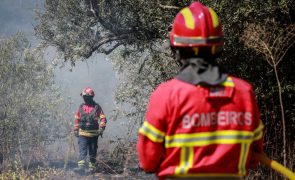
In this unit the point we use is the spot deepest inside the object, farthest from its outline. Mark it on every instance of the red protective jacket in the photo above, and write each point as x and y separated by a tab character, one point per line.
201	130
99	116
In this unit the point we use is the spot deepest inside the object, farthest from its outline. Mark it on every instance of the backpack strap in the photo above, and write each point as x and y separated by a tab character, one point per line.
92	113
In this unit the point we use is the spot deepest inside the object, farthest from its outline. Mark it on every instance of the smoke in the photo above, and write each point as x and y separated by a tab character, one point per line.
96	72
18	15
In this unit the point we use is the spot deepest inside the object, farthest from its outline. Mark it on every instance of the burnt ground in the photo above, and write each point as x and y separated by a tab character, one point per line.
118	162
123	166
114	161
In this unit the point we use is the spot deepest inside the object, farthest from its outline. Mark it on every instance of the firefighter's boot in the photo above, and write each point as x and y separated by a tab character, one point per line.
81	168
91	168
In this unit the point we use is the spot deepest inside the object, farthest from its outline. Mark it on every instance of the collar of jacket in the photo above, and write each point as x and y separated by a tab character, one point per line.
198	71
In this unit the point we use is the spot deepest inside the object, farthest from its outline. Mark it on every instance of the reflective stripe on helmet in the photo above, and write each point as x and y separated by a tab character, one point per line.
197	40
188	18
214	17
196	25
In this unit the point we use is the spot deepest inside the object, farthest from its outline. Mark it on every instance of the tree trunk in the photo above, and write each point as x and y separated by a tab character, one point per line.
282	114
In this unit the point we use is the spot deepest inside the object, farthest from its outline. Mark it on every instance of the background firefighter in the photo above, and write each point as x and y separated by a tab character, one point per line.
90	123
203	123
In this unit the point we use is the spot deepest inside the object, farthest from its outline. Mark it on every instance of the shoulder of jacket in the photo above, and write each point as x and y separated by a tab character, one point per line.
164	87
97	107
169	84
241	84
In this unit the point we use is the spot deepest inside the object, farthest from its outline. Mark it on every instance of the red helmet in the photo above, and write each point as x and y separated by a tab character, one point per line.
197	26
87	92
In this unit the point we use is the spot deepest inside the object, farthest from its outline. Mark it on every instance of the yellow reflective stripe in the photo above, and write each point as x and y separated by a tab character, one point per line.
228	82
88	133
213	50
102	116
258	132
247	147
205	142
259	128
188	18
196	50
186	160
91	165
243	158
214	18
207	138
258	136
81	163
151	132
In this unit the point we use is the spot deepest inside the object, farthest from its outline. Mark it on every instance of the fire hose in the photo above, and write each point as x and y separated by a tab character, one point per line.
274	165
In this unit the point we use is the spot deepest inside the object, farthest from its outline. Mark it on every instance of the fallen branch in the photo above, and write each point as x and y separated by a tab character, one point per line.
168	7
107	166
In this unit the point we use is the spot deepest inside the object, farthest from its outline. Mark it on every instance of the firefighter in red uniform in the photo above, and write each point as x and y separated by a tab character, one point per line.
204	123
89	123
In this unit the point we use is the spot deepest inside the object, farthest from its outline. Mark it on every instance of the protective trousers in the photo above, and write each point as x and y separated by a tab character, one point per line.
87	144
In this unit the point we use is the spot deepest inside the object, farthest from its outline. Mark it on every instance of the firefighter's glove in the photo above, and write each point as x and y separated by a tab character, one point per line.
100	132
76	132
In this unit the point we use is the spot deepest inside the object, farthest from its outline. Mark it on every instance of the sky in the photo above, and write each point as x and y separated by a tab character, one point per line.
18	15
96	72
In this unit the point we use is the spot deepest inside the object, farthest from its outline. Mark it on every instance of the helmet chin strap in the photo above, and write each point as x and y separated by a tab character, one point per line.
199	71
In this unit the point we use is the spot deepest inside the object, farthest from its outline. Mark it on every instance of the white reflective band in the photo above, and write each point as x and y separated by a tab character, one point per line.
197	40
207	138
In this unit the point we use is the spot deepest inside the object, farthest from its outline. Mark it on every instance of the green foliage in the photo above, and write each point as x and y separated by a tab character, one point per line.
139	74
29	114
78	29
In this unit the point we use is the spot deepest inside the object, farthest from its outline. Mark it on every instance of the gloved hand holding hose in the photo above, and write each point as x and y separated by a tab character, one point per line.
102	126
100	131
76	132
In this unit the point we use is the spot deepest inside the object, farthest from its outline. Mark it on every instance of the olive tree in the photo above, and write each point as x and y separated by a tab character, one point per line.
30	116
